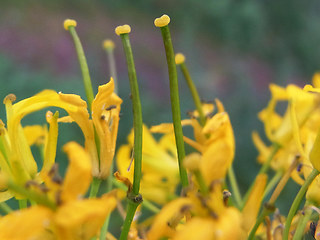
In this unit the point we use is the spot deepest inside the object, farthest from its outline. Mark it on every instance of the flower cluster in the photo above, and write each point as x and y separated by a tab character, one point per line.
168	194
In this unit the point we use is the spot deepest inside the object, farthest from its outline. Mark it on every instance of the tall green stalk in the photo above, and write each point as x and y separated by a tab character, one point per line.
134	198
83	65
109	48
193	90
70	26
174	95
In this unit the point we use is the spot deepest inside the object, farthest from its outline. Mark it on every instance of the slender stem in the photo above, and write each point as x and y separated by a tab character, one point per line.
83	65
134	198
202	184
234	187
137	113
263	169
175	102
37	197
132	207
146	203
112	67
5	208
303	220
94	187
86	79
194	93
23	203
260	219
105	226
296	203
273	182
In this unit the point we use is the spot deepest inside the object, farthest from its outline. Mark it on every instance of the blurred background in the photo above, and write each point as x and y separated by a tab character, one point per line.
233	49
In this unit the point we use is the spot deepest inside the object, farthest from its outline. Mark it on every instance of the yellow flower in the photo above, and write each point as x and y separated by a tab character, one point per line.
160	173
225	227
74	218
215	141
279	129
172	212
198	217
105	120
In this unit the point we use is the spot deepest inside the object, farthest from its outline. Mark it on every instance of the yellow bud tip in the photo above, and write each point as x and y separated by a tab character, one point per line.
11	97
123	29
69	23
162	21
180	58
108	44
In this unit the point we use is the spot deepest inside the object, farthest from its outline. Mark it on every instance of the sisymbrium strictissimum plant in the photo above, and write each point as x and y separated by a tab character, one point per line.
160	191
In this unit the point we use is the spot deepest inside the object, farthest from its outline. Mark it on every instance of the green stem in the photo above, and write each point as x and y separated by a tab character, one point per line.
37	197
234	187
23	203
273	182
5	208
202	184
150	206
134	198
132	207
263	169
137	113
296	203
83	65
175	102
194	93
303	220
105	226
146	203
94	187
112	67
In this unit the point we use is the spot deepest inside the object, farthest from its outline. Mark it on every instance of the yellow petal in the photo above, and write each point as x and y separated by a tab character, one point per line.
315	152
29	223
160	226
35	134
252	207
51	142
79	169
313	191
83	219
225	227
217	159
316	80
207	109
197	228
162	128
264	151
105	117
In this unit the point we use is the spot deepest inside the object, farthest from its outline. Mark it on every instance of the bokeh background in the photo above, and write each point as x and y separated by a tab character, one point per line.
234	50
